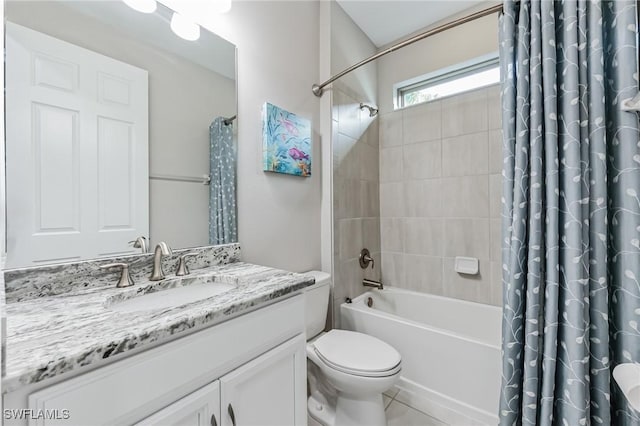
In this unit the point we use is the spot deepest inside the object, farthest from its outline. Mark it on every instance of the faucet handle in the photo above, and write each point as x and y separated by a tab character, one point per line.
183	269
140	243
365	258
125	278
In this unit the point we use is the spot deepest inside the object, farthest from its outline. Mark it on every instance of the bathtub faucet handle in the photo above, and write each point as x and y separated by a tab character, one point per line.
365	259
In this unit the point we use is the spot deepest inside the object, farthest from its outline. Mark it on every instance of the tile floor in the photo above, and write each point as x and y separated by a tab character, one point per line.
400	414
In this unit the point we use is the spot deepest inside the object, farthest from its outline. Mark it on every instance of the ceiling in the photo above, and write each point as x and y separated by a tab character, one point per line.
385	21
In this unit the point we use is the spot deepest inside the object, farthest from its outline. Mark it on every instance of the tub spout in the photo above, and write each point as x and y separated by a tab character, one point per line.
372	283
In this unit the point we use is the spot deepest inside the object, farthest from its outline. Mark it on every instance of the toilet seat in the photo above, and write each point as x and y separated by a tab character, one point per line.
357	354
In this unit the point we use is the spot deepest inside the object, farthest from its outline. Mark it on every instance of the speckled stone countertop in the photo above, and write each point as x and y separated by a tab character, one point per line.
54	334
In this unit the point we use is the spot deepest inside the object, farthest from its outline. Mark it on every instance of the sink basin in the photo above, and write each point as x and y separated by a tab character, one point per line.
171	297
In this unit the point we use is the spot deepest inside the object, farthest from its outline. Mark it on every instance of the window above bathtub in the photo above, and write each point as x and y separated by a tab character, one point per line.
459	78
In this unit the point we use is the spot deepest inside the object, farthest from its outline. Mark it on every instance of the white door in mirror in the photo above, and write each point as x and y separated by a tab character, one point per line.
77	151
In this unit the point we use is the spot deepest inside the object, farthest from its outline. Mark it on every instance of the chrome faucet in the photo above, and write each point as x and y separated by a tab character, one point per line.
372	283
162	249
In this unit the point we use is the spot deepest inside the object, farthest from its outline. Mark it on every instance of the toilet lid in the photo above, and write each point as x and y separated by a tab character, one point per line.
355	352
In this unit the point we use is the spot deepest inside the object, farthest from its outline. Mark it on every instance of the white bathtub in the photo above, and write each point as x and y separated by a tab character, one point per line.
450	349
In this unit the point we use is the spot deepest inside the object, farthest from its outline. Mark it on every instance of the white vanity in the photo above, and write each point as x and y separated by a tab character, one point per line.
238	372
236	358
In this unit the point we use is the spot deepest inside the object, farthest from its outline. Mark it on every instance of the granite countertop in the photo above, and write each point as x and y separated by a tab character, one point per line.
51	335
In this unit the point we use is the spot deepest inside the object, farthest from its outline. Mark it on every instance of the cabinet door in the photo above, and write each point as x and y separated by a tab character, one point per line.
268	391
201	408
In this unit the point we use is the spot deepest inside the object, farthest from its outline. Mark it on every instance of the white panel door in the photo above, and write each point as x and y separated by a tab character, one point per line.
201	408
271	390
77	151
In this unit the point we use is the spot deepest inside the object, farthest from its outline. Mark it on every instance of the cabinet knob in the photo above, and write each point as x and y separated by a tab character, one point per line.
213	420
232	415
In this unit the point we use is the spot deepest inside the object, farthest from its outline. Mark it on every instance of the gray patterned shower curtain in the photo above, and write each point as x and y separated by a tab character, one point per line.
571	213
222	199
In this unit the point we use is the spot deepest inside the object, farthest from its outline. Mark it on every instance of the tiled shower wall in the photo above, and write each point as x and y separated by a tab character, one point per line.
440	189
356	202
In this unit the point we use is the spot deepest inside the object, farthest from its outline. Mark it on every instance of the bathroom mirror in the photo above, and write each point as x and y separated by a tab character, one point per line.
110	119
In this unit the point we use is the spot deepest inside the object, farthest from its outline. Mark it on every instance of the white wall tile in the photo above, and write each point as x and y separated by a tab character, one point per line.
391	129
369	164
464	114
393	269
371	234
496	283
495	239
495	151
350	238
494	107
391	164
495	195
343	153
423	274
349	117
370	199
466	237
392	234
391	200
422	160
465	155
424	236
423	198
422	122
465	196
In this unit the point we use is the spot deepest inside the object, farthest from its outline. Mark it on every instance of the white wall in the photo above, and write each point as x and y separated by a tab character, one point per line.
278	43
468	41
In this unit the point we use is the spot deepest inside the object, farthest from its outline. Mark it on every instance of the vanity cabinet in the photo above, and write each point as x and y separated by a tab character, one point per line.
253	366
266	392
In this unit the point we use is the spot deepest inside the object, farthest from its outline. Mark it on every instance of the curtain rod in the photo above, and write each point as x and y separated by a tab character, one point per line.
317	89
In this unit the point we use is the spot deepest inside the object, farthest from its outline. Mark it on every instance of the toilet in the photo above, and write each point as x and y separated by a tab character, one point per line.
347	371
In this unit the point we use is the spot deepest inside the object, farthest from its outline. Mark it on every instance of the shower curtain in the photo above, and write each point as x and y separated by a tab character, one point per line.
571	212
222	199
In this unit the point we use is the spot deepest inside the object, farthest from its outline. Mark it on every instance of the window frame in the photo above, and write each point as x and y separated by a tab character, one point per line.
444	75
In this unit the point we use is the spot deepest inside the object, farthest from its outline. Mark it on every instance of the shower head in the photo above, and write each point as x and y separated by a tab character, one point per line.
373	111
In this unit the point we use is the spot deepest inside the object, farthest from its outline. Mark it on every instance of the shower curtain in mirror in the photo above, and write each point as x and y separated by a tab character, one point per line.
222	199
571	212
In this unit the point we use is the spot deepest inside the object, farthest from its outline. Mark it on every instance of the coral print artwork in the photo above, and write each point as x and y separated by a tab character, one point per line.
286	142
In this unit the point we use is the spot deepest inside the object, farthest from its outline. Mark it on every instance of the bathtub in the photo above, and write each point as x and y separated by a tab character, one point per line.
450	349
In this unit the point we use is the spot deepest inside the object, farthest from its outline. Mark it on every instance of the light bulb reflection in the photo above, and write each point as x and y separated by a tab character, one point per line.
144	6
184	28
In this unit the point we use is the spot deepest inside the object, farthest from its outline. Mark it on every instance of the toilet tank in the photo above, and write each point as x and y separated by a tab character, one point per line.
316	301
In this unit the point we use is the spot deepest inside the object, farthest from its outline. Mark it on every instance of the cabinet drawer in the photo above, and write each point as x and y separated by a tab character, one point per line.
131	389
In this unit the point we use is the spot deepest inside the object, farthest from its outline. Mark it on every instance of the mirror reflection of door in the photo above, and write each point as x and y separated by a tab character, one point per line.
77	151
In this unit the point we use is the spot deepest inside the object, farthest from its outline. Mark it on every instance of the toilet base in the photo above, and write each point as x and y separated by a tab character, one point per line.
348	411
362	411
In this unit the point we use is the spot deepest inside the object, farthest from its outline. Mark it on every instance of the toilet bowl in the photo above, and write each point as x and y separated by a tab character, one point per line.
348	371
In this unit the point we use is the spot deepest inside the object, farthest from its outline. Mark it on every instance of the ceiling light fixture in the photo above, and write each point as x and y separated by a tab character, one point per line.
184	28
144	6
